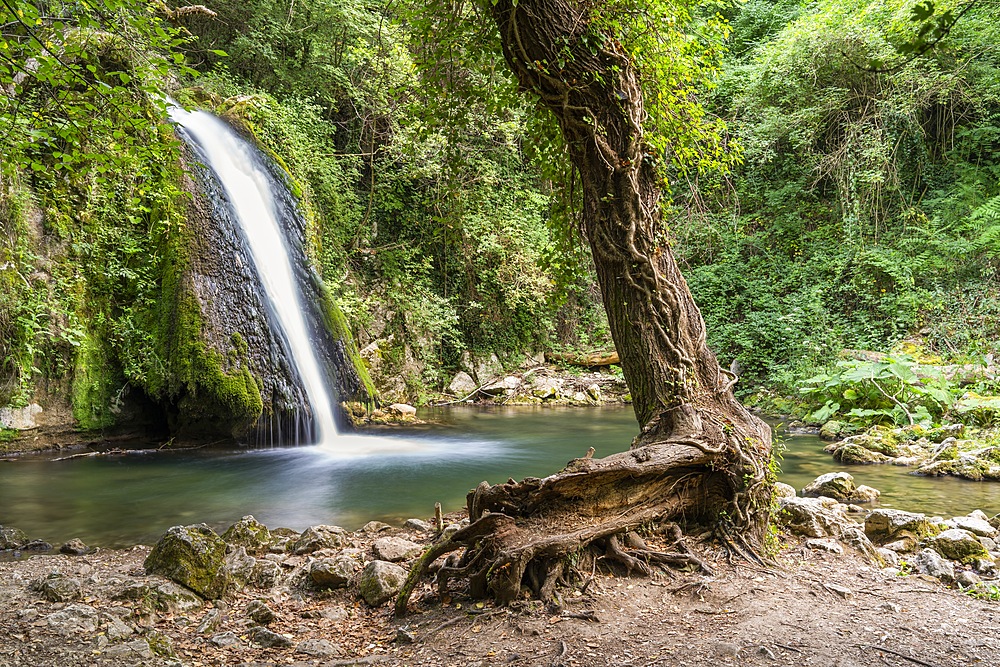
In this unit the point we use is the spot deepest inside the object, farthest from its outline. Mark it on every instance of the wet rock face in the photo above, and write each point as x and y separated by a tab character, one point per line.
193	556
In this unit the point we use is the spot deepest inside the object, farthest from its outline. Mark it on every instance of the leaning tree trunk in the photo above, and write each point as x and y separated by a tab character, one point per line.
701	456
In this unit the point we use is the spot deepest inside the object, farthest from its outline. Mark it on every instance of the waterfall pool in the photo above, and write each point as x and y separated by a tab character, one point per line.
123	500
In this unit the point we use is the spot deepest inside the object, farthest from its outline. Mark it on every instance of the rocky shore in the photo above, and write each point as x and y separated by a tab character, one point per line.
849	585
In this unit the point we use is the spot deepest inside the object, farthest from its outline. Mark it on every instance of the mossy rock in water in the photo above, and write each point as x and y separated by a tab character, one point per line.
831	430
836	485
858	455
960	545
193	556
12	538
250	534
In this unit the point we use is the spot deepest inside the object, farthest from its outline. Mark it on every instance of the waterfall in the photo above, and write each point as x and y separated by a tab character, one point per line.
247	183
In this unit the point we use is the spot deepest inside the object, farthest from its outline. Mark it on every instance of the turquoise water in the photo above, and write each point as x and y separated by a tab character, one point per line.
124	500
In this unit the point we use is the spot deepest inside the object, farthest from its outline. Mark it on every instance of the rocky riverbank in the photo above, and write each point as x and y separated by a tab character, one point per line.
849	585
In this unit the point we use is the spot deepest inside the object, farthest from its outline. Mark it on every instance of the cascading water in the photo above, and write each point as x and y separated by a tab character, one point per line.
246	182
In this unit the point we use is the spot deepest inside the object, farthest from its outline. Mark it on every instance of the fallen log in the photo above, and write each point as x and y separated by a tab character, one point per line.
586	360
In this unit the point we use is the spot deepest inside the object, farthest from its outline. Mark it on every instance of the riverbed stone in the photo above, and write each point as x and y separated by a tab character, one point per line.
319	537
241	567
38	546
865	494
266	574
319	648
193	556
226	640
12	538
333	572
396	549
250	534
958	544
74	619
968	579
375	527
74	547
212	621
855	454
165	596
930	562
831	430
404	410
885	525
116	629
59	588
836	485
546	387
380	581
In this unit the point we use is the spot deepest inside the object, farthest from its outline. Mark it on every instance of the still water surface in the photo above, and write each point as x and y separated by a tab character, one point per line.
117	501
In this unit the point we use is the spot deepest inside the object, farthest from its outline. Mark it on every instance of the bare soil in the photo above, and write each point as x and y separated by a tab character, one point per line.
817	608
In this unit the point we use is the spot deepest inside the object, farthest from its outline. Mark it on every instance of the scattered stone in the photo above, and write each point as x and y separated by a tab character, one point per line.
74	619
11	538
404	410
782	490
967	579
266	574
836	485
987	567
211	621
335	614
250	534
865	494
319	648
546	387
165	596
333	572
837	589
890	557
137	649
418	524
855	454
193	556
380	581
59	588
930	562
813	517
259	612
115	629
74	547
594	393
241	567
726	649
975	525
825	544
404	636
396	549
319	537
226	640
375	527
958	544
268	639
37	546
890	607
450	530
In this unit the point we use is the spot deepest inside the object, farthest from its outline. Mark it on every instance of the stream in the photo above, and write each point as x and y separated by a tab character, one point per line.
115	501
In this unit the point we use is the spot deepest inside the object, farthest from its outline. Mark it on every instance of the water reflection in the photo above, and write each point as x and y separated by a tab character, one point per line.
111	501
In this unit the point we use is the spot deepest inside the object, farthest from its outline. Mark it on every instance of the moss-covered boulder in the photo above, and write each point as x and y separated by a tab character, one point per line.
856	454
193	556
250	534
960	545
831	430
380	581
836	485
12	538
886	525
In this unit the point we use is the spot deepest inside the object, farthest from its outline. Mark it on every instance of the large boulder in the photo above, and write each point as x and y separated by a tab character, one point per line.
193	556
462	385
250	534
333	572
837	485
380	581
315	538
958	544
824	517
74	619
886	525
976	525
165	597
855	454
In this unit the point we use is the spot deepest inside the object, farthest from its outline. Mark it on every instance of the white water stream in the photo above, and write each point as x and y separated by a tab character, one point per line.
247	184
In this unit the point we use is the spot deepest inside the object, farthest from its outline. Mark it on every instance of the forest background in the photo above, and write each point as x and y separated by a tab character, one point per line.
859	207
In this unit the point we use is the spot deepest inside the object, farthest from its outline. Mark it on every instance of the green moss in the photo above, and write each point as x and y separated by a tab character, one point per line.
95	384
336	324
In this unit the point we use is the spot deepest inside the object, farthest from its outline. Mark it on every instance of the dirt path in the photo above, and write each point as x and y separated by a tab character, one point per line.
820	609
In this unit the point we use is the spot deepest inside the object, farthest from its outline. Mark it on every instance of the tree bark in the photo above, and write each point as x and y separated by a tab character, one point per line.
700	456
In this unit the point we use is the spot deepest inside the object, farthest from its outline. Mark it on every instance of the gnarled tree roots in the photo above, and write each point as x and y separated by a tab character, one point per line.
531	533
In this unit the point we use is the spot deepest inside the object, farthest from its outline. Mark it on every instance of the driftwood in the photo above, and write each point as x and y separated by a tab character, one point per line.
586	360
